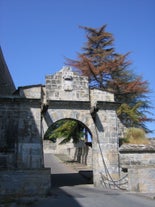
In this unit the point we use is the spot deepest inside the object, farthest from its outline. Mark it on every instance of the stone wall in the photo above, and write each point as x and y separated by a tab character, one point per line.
21	131
21	155
9	116
25	182
141	179
7	160
100	95
137	155
31	92
29	135
138	163
67	85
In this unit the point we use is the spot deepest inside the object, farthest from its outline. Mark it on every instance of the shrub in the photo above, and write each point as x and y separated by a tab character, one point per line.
135	136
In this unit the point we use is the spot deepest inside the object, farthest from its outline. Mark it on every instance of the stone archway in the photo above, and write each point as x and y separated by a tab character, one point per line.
65	95
77	153
61	110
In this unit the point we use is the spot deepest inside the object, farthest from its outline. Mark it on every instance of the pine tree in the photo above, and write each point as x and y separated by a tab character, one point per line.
66	129
109	70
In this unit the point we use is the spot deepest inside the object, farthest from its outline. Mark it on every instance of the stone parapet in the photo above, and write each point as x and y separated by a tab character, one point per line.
137	155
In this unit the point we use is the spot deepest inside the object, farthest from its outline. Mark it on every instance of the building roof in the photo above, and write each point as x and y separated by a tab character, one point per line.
7	86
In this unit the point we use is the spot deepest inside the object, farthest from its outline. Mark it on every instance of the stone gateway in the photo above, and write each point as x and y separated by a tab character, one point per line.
26	115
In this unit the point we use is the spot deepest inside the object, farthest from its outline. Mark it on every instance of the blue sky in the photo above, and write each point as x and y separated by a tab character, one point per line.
36	35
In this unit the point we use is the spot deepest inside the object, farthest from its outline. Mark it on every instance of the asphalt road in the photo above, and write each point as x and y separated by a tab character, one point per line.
70	189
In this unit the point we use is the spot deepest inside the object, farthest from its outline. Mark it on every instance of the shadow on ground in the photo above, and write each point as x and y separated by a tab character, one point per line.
71	179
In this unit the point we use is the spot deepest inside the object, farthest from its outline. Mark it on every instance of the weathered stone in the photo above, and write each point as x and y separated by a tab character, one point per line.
141	179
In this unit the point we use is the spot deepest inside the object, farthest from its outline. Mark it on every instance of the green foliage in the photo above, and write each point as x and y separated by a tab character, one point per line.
67	129
131	113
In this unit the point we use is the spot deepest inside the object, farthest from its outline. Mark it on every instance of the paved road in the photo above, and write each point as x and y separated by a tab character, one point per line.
61	174
72	190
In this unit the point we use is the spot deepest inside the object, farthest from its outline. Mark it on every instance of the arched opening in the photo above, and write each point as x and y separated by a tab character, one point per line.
68	142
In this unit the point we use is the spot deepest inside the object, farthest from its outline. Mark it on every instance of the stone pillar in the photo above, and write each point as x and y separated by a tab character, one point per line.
105	146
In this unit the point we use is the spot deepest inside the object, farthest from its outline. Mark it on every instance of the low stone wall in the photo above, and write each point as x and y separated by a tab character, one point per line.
25	182
137	155
138	162
141	179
